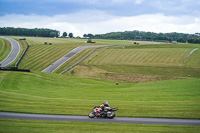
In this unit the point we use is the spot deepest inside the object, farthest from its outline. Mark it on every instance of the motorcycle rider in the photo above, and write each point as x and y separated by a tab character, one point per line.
104	106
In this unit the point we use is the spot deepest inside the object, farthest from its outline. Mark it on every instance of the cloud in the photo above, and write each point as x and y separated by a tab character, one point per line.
85	22
138	1
114	7
83	16
153	23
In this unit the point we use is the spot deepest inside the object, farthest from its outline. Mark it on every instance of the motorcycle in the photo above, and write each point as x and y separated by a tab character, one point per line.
109	112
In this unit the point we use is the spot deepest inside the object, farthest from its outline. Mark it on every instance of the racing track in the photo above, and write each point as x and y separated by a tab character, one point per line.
65	58
5	115
13	54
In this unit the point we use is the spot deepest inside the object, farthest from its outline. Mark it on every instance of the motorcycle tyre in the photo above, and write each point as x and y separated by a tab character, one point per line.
91	115
112	116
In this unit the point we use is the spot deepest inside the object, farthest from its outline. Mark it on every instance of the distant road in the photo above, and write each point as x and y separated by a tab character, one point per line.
65	58
13	54
190	54
5	115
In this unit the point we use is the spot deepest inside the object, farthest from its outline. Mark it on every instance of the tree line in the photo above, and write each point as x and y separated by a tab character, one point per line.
70	35
148	36
37	32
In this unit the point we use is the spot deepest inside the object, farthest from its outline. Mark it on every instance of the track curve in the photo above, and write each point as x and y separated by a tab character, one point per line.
13	54
6	115
65	58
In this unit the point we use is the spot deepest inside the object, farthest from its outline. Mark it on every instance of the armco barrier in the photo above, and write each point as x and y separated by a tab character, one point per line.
16	65
13	69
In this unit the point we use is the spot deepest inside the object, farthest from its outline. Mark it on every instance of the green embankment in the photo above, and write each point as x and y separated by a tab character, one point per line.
146	58
60	94
155	60
5	48
40	56
29	126
74	59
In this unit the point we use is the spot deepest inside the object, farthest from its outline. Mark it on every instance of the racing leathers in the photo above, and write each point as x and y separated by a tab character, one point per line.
103	107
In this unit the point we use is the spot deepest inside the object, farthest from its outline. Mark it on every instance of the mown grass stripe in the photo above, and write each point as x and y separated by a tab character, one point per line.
44	56
5	48
147	57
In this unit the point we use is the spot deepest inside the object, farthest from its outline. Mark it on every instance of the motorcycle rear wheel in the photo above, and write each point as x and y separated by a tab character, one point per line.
110	115
91	115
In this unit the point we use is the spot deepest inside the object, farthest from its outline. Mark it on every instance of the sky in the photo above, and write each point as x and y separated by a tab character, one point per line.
102	16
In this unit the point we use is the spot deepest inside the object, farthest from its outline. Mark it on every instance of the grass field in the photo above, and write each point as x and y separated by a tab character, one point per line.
85	127
40	56
164	61
146	58
60	94
172	93
5	48
74	59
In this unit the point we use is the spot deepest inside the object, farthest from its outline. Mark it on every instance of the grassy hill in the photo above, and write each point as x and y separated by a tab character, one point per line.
131	66
172	93
5	48
144	59
60	94
147	61
40	56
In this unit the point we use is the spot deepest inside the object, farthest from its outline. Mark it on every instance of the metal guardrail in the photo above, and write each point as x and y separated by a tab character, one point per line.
16	65
13	69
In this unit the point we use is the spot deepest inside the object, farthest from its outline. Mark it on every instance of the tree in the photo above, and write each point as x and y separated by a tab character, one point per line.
29	32
64	34
90	35
53	34
70	35
85	35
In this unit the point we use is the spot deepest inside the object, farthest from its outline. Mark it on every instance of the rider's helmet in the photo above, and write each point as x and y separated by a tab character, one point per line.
105	103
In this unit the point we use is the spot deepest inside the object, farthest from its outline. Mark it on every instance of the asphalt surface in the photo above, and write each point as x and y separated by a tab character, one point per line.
6	115
190	54
13	54
65	58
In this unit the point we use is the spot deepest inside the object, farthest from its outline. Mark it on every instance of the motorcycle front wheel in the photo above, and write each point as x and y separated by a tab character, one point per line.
91	115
